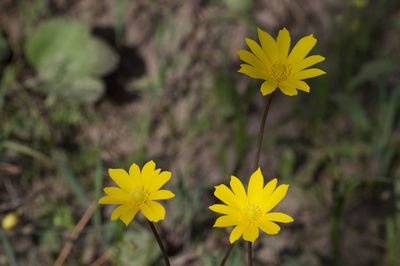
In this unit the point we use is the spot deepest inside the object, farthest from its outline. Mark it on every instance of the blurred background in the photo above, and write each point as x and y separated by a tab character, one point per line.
93	84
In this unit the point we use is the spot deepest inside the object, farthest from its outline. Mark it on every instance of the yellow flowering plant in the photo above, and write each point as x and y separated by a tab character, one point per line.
273	63
250	211
138	190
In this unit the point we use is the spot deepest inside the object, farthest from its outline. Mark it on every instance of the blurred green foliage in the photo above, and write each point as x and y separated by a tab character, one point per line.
4	48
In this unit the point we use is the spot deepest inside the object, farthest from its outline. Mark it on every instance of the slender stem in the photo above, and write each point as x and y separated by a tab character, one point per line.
228	252
163	251
249	255
256	162
261	131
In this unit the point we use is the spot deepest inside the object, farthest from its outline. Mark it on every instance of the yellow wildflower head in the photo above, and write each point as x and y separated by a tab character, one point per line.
137	190
9	221
250	211
273	63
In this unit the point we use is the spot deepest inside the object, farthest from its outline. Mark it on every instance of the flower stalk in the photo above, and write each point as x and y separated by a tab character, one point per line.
249	254
162	248
261	131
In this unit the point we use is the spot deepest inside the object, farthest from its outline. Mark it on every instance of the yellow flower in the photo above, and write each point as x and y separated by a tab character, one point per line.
250	211
137	190
273	63
9	221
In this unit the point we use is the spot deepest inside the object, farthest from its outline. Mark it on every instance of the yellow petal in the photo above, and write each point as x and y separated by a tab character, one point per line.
226	220
120	210
251	72
161	195
115	191
250	233
112	200
301	85
147	174
267	87
268	45
257	51
236	233
224	209
288	89
252	60
283	43
301	49
159	180
308	73
269	188
134	173
153	211
121	178
128	216
255	188
238	189
270	228
307	62
278	217
226	195
276	197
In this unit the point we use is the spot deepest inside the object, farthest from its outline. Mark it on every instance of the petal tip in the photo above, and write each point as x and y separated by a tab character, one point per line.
126	224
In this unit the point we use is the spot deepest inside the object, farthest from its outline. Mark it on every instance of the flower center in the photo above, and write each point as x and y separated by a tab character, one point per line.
138	195
253	213
279	72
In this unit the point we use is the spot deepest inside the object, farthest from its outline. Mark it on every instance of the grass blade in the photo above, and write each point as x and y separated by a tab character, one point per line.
27	151
8	248
73	183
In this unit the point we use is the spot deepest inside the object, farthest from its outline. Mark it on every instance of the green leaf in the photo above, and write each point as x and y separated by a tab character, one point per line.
69	60
83	89
55	45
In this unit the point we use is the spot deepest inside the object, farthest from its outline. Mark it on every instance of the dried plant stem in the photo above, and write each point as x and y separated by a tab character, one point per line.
156	235
75	234
256	163
102	259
